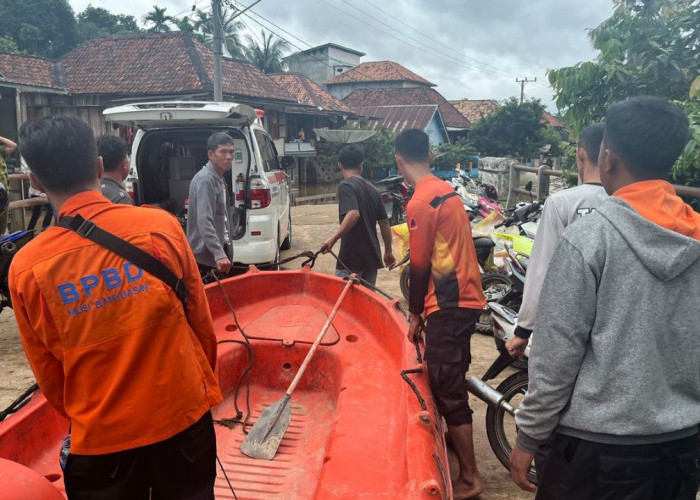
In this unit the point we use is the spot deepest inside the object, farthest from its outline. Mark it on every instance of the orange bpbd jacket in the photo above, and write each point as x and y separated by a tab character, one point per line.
110	345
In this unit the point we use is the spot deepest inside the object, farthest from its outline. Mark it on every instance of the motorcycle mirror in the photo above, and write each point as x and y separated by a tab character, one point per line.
528	188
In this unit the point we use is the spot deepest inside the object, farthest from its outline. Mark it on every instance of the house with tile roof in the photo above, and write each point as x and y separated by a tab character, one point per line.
375	74
454	123
117	70
318	109
475	109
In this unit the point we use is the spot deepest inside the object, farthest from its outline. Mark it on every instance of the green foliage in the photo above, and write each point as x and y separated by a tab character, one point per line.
647	47
513	129
266	56
7	44
96	22
556	140
378	149
448	155
45	28
686	171
202	28
158	19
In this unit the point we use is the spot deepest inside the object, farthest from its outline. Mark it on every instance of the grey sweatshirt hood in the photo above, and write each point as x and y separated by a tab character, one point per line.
615	357
664	253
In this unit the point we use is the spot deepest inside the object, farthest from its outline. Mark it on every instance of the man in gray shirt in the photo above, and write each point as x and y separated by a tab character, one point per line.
615	361
115	160
207	220
560	210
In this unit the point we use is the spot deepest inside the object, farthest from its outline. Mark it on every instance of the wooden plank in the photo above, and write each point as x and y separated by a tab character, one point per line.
28	203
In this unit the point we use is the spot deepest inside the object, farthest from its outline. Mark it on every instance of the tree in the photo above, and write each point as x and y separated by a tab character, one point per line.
448	155
204	25
158	19
7	44
96	22
513	129
45	28
267	57
647	47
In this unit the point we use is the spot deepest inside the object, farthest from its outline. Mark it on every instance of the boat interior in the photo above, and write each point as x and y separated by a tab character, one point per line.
356	426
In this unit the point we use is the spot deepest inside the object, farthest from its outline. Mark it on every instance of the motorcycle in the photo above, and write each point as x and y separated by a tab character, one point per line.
395	193
482	198
503	401
495	285
9	245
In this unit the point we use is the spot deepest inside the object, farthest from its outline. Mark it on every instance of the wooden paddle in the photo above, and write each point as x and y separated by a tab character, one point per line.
264	438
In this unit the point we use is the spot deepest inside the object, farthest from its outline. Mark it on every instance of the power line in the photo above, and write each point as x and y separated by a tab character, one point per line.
419	47
478	65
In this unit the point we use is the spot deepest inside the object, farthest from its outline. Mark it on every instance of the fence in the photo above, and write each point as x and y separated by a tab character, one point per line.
19	203
543	175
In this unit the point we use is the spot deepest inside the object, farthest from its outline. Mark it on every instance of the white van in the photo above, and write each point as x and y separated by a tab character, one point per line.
170	147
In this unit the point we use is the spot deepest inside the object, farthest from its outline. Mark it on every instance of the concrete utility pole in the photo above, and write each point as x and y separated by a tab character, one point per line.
522	86
218	50
219	42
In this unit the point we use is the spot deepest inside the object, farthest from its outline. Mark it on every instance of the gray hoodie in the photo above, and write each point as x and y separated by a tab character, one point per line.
616	357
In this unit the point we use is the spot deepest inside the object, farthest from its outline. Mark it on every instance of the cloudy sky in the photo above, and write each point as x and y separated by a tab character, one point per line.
470	48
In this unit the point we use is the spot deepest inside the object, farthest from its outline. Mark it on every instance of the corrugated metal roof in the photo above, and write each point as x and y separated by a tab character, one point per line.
397	118
411	96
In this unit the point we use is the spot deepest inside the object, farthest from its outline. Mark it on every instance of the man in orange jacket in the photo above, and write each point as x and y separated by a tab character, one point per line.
112	347
446	289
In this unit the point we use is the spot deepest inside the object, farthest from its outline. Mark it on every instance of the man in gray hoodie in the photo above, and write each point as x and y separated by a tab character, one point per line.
615	364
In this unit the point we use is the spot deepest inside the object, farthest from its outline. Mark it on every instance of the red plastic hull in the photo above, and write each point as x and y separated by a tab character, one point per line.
357	428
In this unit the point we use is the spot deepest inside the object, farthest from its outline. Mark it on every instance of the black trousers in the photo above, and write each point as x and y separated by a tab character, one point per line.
448	354
182	467
578	469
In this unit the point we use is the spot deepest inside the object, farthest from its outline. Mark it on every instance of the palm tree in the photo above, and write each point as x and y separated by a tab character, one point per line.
230	28
268	56
159	20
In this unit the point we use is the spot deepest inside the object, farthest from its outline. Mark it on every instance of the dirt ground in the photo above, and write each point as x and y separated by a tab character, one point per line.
312	225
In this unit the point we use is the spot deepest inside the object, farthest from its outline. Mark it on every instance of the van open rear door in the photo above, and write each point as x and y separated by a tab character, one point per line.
151	115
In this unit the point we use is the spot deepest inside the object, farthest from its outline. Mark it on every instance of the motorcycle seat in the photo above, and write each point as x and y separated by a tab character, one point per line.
482	242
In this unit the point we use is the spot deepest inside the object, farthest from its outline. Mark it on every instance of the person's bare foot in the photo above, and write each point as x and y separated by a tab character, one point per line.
462	490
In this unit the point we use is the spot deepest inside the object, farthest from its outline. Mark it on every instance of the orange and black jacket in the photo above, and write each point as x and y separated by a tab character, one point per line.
444	270
110	345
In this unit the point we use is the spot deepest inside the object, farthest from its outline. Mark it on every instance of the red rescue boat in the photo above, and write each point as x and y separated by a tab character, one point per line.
357	428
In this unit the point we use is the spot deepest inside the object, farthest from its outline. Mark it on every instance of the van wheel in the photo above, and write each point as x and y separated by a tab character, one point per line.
287	243
274	265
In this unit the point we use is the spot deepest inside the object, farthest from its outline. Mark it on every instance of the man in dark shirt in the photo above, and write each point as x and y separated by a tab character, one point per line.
115	159
360	208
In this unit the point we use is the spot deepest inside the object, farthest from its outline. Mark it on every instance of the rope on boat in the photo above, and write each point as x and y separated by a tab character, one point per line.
404	375
231	422
308	254
226	476
18	403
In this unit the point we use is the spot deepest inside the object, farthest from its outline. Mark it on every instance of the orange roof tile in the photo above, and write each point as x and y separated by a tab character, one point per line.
28	70
378	71
475	109
308	92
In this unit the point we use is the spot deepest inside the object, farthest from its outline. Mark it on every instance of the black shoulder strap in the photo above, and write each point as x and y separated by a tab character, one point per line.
132	253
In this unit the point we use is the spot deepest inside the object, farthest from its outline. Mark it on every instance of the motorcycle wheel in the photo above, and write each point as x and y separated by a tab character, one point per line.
404	281
500	425
496	287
